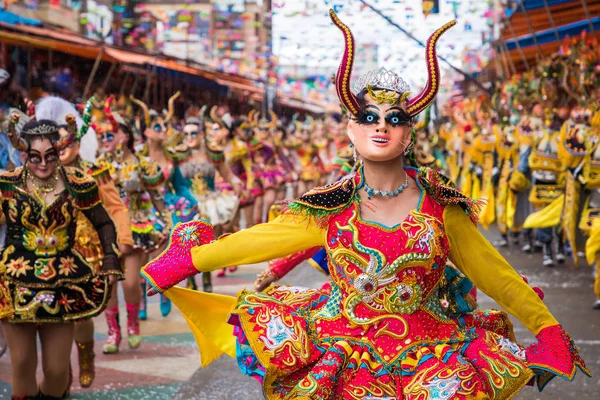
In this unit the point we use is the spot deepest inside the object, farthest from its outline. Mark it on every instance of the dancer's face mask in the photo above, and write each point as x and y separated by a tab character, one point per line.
70	153
42	158
157	130
381	131
192	135
109	141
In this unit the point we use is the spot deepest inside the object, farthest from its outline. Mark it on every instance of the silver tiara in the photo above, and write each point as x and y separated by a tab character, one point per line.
40	130
382	79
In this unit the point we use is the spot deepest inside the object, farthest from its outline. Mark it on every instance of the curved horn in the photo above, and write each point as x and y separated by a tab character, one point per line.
108	112
420	102
172	106
256	119
64	142
96	128
202	112
144	107
274	119
87	117
216	119
251	115
30	109
344	72
18	142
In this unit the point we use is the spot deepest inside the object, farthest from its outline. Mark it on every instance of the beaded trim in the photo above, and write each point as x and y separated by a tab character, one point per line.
323	202
442	190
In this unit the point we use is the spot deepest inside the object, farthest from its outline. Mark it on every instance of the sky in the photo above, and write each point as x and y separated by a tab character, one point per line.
303	34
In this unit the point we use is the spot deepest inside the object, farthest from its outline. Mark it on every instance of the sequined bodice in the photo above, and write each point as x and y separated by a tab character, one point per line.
133	177
40	239
265	155
386	280
128	176
199	175
196	169
307	155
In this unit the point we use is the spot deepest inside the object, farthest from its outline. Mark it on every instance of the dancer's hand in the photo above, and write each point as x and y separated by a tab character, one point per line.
151	292
264	280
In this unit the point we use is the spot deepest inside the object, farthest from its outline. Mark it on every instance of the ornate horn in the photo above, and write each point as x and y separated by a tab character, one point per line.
64	142
216	119
144	107
87	117
18	142
274	119
420	102
256	119
344	72
30	109
251	116
202	112
108	112
96	128
172	106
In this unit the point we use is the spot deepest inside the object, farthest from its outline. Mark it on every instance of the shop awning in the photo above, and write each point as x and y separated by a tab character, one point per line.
19	39
533	30
563	12
58	34
47	38
549	35
301	105
9	18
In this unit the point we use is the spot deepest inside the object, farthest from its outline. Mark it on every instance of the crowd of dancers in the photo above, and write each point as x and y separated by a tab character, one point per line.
152	170
76	223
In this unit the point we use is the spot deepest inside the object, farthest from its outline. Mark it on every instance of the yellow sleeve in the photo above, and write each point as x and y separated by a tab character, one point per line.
117	211
592	246
283	236
490	272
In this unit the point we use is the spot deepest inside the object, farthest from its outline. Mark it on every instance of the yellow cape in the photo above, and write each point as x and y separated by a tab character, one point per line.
207	314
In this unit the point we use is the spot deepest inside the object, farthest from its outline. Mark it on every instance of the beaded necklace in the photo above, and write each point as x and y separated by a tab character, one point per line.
43	186
385	193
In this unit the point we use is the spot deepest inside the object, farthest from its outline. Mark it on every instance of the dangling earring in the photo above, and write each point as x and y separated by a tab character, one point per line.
408	148
119	153
354	157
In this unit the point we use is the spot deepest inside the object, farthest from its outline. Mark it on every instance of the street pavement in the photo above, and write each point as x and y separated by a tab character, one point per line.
167	365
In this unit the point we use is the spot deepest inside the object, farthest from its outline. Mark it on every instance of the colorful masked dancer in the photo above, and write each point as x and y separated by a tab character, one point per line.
46	283
199	172
164	146
139	181
388	230
88	243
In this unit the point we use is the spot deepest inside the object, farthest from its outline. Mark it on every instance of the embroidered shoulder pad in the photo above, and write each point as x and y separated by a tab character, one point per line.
11	177
82	187
101	172
152	176
325	201
442	190
8	180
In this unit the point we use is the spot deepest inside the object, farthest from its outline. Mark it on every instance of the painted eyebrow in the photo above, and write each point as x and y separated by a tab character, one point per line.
403	112
48	152
372	106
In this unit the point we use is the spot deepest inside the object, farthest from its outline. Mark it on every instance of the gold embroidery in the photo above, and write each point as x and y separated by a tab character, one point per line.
382	96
